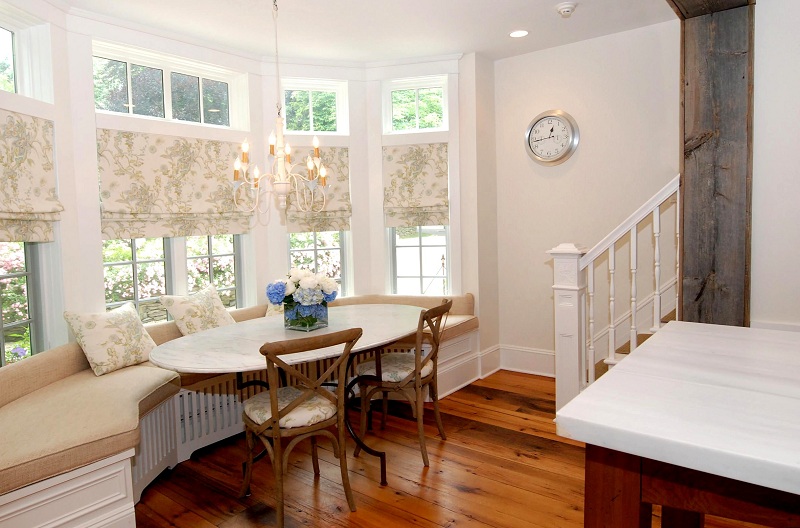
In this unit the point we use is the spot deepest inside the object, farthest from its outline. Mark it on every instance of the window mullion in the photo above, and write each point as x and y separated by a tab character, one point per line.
167	82
311	129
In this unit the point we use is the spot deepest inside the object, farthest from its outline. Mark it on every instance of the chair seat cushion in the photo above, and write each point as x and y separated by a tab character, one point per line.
395	366
314	410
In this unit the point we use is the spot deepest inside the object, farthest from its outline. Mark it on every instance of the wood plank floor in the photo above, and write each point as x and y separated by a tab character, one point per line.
502	465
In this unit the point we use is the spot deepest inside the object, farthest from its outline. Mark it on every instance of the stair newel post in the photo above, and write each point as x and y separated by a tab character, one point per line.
656	269
569	300
634	293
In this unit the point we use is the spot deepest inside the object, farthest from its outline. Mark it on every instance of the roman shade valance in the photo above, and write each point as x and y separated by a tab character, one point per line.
336	214
166	186
28	198
415	185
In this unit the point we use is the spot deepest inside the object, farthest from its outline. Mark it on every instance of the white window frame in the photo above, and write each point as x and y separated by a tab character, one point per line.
448	277
238	92
319	85
414	83
33	63
35	303
237	264
344	241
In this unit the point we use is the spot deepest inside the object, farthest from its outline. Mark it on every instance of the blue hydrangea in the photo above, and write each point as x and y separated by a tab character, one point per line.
276	291
328	297
307	296
290	313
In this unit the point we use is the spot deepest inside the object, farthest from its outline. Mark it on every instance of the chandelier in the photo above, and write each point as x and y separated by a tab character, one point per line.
250	184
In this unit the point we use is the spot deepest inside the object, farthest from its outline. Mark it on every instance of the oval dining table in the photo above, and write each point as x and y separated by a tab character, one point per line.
234	348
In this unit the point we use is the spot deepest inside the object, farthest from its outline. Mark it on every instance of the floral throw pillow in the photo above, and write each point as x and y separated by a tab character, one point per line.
198	312
111	340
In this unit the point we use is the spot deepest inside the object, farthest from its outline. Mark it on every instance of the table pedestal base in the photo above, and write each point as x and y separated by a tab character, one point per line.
621	489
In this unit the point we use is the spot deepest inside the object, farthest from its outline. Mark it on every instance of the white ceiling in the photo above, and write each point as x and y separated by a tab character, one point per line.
370	31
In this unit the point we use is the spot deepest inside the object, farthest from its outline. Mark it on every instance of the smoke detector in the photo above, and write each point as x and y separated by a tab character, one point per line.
565	9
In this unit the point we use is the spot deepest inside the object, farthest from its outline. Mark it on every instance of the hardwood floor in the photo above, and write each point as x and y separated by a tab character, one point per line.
501	466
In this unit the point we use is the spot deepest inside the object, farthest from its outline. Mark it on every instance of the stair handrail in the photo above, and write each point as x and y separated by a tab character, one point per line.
640	214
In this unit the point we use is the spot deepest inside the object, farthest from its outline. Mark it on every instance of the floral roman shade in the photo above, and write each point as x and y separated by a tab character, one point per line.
165	186
415	185
336	214
28	198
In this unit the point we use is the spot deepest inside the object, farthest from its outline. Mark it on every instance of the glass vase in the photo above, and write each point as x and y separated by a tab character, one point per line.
305	318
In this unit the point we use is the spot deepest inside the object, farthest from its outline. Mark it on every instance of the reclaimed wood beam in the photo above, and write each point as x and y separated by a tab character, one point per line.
694	8
717	167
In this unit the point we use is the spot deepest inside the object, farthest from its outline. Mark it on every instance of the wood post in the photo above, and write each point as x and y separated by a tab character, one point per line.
717	166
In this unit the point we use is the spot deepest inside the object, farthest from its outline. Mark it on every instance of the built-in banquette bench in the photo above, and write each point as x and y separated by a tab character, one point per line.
78	449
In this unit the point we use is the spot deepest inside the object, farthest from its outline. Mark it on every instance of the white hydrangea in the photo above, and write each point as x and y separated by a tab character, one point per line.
290	287
308	282
328	285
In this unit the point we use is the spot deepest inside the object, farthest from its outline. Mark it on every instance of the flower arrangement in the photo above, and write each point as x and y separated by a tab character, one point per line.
305	297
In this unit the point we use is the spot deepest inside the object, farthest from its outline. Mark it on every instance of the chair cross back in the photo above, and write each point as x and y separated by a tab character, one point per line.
309	386
433	319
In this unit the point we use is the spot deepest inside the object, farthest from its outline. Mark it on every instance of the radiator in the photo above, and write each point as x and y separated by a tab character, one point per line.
156	450
210	411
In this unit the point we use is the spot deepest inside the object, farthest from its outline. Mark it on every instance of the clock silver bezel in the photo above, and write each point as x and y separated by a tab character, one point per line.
567	152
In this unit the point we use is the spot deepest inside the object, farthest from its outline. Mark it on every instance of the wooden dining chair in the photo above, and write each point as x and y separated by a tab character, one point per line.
307	408
407	373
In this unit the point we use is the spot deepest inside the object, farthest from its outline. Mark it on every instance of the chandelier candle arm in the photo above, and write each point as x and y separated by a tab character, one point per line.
310	190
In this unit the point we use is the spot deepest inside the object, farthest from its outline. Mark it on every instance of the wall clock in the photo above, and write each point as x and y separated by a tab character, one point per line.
552	137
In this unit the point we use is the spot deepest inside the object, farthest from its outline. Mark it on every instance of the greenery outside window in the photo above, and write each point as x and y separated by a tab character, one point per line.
20	310
320	252
419	260
132	88
212	260
136	271
8	81
416	105
315	106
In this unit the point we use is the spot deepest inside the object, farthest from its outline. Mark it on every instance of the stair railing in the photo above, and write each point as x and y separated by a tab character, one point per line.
574	292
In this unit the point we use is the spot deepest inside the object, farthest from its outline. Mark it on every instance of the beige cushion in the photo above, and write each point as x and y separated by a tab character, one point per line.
314	410
76	421
462	304
395	366
111	340
201	311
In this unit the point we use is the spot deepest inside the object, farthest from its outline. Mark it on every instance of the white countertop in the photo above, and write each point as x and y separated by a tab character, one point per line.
235	347
719	399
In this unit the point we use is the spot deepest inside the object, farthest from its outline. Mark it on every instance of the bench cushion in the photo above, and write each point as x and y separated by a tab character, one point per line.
77	420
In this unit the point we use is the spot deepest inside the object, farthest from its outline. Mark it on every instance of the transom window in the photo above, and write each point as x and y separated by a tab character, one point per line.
419	260
320	252
415	105
131	88
212	260
315	106
8	80
19	306
136	271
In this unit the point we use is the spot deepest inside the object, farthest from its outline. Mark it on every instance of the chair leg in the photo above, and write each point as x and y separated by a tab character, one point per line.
277	467
314	457
348	492
362	389
421	428
434	392
384	409
248	464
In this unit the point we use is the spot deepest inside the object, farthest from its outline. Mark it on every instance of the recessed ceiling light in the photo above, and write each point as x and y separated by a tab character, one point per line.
518	33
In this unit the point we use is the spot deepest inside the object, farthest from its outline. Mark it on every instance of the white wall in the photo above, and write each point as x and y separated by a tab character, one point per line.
624	92
775	281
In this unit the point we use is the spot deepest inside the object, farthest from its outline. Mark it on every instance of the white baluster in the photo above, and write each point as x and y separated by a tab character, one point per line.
657	269
634	254
612	327
678	278
590	353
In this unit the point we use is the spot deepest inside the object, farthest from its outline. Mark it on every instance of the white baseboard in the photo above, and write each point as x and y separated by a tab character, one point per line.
528	360
96	495
768	325
491	359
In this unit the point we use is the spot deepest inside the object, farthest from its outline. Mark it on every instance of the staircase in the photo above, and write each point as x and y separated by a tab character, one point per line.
601	367
600	306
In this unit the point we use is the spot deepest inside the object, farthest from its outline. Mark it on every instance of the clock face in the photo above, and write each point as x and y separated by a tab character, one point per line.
551	137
